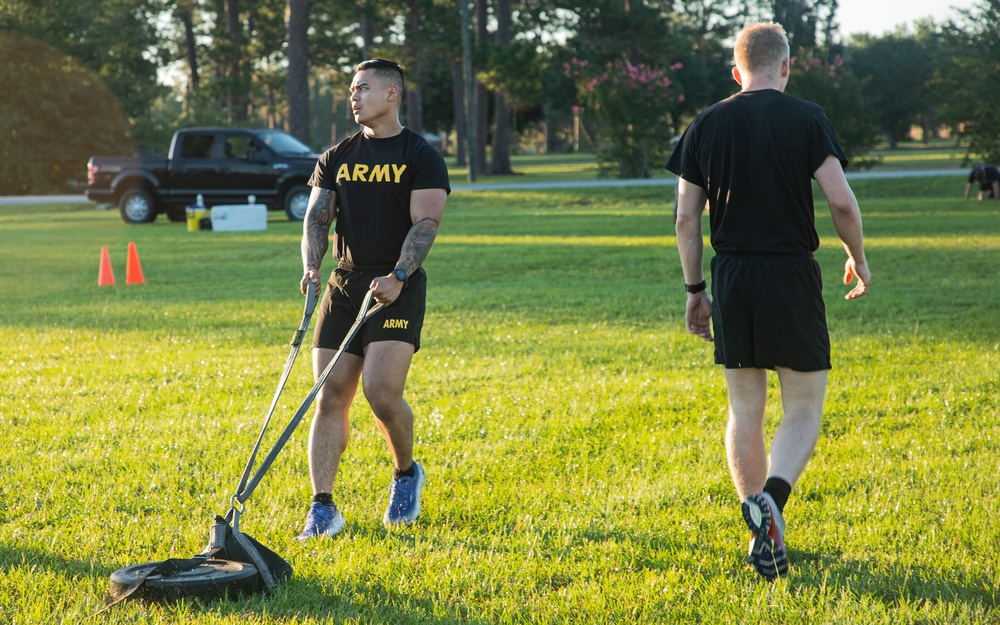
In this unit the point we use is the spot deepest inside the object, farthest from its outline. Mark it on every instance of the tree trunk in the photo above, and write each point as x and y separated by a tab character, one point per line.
500	163
415	108
482	102
191	49
414	92
366	25
458	108
334	125
239	89
799	19
233	26
297	79
550	137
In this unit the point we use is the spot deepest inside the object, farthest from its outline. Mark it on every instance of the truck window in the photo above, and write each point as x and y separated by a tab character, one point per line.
197	146
240	147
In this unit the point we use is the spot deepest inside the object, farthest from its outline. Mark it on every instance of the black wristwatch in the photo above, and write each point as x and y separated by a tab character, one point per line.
696	288
400	274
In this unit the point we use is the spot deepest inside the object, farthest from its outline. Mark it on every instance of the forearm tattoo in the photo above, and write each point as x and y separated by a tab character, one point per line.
316	228
418	243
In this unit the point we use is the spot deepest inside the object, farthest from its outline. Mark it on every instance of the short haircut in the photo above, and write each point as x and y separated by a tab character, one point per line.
386	71
760	48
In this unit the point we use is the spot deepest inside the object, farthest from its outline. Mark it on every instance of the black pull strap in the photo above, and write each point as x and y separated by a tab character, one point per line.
296	343
262	568
365	313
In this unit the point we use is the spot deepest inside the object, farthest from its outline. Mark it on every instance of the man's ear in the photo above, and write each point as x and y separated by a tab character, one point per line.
785	67
737	77
392	92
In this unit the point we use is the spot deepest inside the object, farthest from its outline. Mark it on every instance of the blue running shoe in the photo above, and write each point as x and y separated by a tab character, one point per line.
767	552
404	498
322	520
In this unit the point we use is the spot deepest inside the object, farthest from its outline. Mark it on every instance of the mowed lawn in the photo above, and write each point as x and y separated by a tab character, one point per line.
571	429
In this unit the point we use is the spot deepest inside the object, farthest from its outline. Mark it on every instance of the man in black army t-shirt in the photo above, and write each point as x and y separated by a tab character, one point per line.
385	188
752	157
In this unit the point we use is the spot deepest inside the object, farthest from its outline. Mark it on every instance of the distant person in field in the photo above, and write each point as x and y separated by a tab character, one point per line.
383	193
988	178
752	157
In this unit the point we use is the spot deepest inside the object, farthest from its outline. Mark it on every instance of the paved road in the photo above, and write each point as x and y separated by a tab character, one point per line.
506	186
41	199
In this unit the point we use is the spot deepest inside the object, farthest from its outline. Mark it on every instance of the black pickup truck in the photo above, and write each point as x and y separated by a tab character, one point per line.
224	165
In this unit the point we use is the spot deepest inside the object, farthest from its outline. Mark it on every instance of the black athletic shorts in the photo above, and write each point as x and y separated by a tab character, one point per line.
400	321
768	312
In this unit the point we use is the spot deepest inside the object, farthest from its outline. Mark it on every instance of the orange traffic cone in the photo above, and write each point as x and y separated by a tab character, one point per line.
133	270
105	275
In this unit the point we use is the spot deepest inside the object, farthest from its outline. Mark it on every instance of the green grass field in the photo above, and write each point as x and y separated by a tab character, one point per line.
941	155
571	429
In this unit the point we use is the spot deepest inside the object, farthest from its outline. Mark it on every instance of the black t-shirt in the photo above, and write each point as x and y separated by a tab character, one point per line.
373	179
755	154
986	175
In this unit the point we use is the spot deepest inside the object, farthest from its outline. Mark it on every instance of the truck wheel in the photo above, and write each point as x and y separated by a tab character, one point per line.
177	215
296	202
137	207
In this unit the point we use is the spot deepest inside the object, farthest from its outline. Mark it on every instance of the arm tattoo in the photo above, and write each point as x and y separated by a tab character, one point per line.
417	244
320	214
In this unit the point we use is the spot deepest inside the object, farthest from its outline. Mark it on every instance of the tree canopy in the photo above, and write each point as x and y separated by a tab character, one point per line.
157	65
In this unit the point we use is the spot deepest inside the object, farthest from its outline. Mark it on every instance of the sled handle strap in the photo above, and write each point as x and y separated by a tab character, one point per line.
311	298
265	571
366	312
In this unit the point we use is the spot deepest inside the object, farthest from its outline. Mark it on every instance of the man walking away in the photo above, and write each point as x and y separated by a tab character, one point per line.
752	157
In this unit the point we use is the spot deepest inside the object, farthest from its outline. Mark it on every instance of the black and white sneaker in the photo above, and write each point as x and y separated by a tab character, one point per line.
767	552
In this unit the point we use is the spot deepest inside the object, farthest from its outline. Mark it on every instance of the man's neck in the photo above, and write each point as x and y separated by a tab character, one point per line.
383	129
762	83
776	80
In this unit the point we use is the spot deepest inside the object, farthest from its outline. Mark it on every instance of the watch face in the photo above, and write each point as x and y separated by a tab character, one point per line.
401	274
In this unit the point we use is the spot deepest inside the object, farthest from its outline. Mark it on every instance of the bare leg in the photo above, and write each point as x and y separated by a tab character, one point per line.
386	366
330	428
802	396
745	432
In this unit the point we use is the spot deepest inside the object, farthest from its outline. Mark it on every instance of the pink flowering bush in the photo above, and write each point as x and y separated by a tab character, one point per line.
833	86
629	106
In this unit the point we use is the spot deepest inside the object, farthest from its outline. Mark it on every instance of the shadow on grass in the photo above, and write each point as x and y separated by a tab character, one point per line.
320	599
12	557
325	600
892	584
32	567
369	601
